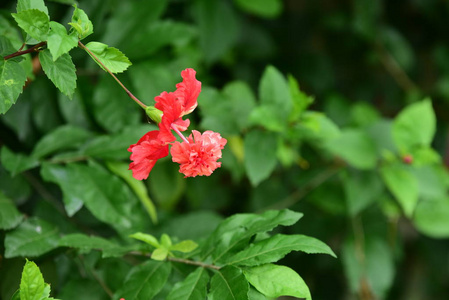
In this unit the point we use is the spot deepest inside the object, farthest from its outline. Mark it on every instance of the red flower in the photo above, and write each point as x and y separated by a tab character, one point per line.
145	153
199	156
177	104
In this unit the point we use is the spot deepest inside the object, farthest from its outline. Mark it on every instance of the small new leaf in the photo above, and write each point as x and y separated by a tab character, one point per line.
112	58
34	22
61	72
146	238
59	42
160	254
31	4
184	246
32	285
81	23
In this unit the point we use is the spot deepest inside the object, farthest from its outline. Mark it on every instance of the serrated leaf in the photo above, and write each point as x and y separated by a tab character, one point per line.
33	237
16	163
228	283
275	281
12	80
59	42
81	23
194	287
112	58
144	281
146	238
403	185
32	284
241	227
262	8
260	154
184	246
299	99
276	247
85	243
62	138
107	197
10	217
6	46
414	126
31	4
61	72
34	22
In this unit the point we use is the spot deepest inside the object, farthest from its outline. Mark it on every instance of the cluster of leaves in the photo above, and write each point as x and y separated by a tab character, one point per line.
373	187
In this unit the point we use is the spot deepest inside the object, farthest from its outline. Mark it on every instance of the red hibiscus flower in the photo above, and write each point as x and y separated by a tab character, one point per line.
199	155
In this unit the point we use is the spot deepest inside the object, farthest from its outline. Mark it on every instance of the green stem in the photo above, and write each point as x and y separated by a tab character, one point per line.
180	260
113	76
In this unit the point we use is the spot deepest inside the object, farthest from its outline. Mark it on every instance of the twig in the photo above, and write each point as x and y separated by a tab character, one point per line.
35	48
395	70
97	278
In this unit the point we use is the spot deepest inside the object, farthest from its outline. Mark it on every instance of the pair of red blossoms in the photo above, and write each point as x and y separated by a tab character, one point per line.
196	155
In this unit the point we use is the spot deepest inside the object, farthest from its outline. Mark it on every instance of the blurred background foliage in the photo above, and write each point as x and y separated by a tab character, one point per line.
358	64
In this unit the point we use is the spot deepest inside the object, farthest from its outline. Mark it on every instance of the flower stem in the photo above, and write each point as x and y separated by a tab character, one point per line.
113	76
179	133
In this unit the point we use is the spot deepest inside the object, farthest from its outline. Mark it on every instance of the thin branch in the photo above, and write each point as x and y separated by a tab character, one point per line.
180	260
112	74
395	70
97	278
35	48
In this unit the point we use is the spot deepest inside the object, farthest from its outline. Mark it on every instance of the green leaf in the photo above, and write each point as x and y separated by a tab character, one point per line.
260	154
10	217
241	227
114	146
32	285
81	23
262	8
403	185
377	269
33	237
362	188
16	163
12	80
34	22
242	100
61	72
85	243
112	108
218	28
194	287
414	126
275	281
160	254
274	94
107	197
144	281
300	100
112	58
147	238
31	4
228	284
184	246
59	42
137	186
152	36
432	217
356	147
62	138
276	247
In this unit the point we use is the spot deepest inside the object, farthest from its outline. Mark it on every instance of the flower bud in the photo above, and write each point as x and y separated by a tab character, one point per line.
154	114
